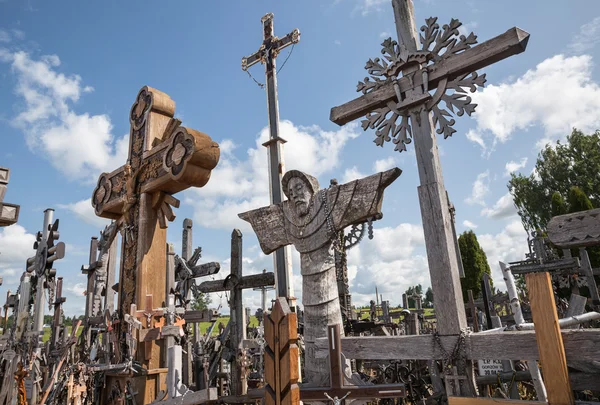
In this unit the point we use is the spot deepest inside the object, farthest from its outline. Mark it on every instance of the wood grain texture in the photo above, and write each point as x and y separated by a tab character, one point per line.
579	229
549	339
490	401
580	345
512	42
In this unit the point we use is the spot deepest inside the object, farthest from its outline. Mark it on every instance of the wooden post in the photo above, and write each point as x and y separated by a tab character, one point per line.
9	213
549	339
281	356
238	382
267	54
473	308
486	294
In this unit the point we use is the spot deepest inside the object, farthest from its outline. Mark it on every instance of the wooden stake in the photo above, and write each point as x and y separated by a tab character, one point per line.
549	339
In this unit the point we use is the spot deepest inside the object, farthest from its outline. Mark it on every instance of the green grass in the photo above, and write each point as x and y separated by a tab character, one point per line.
365	312
48	333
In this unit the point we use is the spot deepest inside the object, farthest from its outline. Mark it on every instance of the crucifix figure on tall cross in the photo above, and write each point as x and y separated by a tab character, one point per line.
266	55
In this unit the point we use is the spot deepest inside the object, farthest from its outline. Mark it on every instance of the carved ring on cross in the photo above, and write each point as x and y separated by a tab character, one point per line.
437	45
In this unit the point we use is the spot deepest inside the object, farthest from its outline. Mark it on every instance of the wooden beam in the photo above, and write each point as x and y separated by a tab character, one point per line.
580	345
560	264
549	339
512	42
255	280
490	401
579	229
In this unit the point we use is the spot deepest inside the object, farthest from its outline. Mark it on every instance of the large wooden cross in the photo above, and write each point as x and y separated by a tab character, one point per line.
9	213
401	100
164	158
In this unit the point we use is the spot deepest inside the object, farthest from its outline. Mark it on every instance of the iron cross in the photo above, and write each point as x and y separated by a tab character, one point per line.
266	55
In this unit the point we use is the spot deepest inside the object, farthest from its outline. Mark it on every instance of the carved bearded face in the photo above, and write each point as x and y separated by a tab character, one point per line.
300	195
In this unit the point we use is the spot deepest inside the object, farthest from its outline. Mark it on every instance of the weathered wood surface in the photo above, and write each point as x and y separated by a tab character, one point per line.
588	273
337	388
555	265
309	220
490	401
282	370
580	345
238	379
512	42
579	381
251	281
9	213
549	339
579	229
204	396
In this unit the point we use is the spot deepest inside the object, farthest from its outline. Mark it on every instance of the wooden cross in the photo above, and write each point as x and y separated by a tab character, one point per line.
164	158
151	333
337	387
57	321
266	55
235	283
9	213
399	88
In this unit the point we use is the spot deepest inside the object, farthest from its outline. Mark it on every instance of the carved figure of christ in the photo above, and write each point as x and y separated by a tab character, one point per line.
309	219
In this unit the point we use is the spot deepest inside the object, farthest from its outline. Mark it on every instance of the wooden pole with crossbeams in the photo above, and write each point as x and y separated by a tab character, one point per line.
402	100
164	158
266	55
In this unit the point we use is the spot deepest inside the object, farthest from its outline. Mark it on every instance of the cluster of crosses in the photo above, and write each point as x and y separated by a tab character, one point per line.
138	345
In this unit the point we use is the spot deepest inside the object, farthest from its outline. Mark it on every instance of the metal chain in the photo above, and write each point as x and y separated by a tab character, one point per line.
457	351
287	57
262	85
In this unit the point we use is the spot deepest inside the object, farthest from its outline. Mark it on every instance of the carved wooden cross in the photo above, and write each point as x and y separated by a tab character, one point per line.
402	101
164	158
9	213
337	386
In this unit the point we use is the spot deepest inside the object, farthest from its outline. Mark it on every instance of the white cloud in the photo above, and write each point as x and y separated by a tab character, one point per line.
84	211
351	174
337	42
240	185
384	164
587	38
469	224
80	146
481	188
16	246
384	35
367	6
474	136
508	246
390	262
467	28
532	100
503	208
513	166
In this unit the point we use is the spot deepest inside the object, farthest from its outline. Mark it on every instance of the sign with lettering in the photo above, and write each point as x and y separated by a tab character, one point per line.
490	367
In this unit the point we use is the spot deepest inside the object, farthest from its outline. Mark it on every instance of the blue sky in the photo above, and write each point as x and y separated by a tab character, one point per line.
69	72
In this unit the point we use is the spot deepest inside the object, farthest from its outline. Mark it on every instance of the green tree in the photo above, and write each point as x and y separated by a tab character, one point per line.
558	168
416	289
428	301
578	201
559	207
474	262
202	301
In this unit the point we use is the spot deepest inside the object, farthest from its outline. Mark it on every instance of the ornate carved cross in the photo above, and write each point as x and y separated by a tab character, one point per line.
9	213
164	158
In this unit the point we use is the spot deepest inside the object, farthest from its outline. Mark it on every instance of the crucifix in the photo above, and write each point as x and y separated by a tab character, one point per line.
9	213
266	54
235	282
164	158
402	101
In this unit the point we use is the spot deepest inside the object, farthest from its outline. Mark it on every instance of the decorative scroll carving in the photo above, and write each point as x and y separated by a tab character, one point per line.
437	45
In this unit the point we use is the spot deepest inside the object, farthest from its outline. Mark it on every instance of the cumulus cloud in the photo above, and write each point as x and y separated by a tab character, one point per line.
384	164
239	185
469	224
513	166
80	146
16	245
508	246
530	100
481	188
84	211
503	208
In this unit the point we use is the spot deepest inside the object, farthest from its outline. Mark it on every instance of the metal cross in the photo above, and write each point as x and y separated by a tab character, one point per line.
266	55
